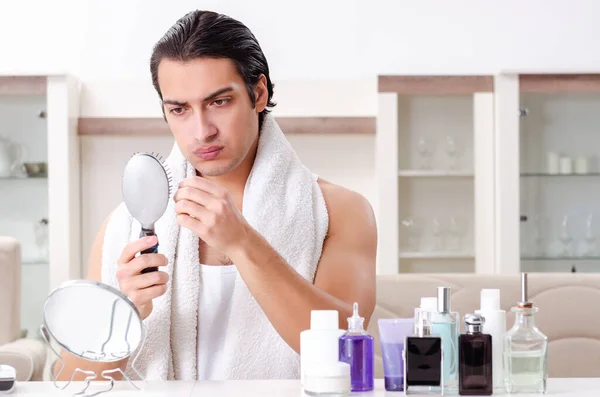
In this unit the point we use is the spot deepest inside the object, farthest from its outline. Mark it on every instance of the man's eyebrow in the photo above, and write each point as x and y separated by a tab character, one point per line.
217	93
173	102
207	98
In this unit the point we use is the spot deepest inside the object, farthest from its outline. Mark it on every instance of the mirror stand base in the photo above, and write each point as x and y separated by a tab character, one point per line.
92	375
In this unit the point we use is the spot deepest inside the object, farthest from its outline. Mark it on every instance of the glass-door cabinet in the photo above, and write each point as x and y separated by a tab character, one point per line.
547	172
24	187
39	187
434	155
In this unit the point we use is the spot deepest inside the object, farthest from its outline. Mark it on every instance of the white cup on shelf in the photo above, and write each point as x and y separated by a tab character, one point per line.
552	162
566	165
582	165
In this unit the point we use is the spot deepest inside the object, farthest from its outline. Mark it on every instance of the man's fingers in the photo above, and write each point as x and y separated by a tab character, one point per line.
192	224
131	249
194	194
192	209
146	280
203	184
142	296
136	265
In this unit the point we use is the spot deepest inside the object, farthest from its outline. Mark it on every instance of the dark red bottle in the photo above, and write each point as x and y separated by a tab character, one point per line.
475	359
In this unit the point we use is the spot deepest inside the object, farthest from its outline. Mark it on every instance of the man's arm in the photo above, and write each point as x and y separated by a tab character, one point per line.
345	274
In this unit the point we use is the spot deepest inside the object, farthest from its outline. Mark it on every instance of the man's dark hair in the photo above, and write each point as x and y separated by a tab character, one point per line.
206	34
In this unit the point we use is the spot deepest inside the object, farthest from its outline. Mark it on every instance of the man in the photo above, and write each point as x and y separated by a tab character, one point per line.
213	80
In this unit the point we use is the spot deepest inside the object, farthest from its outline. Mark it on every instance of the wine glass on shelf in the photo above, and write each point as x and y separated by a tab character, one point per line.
565	236
438	231
452	151
413	227
538	234
590	235
457	230
425	150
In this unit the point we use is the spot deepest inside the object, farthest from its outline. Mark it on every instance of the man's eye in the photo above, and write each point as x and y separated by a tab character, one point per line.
220	102
176	111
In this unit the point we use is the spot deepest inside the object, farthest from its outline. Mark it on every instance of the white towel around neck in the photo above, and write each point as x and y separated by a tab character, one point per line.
283	202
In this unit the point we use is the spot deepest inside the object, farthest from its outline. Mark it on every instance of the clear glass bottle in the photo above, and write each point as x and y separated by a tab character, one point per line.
475	359
444	323
525	350
357	349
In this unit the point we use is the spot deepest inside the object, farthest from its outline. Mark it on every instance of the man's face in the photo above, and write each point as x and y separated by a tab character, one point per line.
209	112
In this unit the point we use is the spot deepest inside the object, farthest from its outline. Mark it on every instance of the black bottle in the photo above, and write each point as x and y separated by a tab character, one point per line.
423	356
475	359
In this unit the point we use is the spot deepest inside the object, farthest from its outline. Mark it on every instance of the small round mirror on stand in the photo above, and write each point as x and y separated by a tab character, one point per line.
95	322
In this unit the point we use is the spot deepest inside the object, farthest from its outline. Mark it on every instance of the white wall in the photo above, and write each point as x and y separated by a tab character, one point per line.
331	39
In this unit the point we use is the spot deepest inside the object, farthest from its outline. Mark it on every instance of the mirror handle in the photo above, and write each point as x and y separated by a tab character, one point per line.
151	250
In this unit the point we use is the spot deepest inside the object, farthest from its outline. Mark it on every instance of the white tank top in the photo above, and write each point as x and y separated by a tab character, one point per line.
216	290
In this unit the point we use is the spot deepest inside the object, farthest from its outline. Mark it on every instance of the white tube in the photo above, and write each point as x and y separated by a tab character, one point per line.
495	325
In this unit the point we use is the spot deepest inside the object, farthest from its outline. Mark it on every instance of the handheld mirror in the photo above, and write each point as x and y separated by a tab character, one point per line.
146	188
93	321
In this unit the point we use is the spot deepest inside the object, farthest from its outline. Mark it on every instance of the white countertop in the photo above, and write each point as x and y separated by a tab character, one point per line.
572	387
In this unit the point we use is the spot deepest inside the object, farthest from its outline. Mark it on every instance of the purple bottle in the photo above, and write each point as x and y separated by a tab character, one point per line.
356	349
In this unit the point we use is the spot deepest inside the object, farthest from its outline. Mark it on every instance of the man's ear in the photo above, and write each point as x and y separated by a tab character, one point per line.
261	93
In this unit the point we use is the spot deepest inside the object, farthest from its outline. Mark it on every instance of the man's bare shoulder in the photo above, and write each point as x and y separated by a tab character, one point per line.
347	208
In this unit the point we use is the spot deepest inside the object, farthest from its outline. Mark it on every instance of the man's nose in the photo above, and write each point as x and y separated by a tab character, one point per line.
205	130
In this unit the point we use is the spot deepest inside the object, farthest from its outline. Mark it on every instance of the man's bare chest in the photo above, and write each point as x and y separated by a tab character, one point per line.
210	256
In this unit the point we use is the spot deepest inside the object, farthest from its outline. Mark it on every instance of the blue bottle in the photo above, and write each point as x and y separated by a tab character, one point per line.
357	349
444	323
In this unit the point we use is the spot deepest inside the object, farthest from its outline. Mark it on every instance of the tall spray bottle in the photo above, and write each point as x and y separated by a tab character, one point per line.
444	322
494	325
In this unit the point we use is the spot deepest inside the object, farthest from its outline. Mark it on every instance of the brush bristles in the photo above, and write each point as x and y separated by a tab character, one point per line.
169	176
167	170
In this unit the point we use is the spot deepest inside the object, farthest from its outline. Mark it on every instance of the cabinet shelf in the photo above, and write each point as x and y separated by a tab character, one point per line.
560	258
22	178
436	255
435	174
547	175
33	261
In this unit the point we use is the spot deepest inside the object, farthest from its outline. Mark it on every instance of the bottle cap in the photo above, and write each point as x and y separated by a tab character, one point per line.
355	323
490	299
422	326
429	303
474	323
443	301
324	319
524	303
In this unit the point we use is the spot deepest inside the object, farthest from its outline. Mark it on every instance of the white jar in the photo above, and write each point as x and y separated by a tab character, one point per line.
327	380
8	379
321	371
553	163
566	165
581	165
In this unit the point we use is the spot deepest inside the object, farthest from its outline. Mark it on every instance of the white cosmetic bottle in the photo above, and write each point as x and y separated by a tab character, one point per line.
8	379
495	325
428	304
321	371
